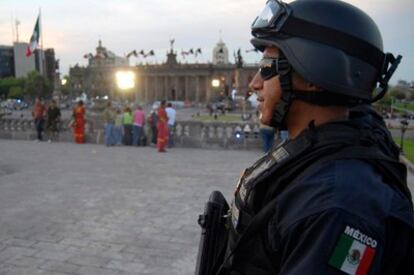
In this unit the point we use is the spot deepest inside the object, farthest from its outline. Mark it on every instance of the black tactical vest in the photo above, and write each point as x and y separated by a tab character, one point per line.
365	139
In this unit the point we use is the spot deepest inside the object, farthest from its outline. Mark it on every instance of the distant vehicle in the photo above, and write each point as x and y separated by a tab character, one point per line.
14	104
177	104
221	104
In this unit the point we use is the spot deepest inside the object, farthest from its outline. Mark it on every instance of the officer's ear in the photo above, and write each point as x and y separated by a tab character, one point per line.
301	84
313	88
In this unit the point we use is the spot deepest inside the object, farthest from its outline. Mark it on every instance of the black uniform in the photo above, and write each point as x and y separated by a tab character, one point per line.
338	205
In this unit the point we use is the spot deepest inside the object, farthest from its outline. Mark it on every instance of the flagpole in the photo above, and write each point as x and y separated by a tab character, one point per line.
41	29
42	53
12	23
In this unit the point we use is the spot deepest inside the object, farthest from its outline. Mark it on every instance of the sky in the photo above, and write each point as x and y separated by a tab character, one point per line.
73	27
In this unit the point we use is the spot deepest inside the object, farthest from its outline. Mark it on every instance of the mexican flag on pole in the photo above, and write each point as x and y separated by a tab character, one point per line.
34	39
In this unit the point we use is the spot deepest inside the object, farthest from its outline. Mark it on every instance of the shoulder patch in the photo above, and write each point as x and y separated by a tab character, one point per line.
354	252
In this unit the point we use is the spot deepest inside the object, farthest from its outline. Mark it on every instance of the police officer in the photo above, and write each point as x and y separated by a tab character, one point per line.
332	199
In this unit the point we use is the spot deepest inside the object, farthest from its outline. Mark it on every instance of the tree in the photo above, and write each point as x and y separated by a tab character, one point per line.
37	85
397	93
9	82
16	92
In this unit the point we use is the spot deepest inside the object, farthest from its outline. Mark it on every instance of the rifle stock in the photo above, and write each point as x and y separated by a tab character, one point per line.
214	235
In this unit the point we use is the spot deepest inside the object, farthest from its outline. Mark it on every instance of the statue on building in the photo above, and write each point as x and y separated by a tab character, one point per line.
238	59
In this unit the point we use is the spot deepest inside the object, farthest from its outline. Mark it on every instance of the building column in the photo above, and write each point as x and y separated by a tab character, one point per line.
166	89
145	80
186	89
208	88
164	94
197	91
156	83
177	90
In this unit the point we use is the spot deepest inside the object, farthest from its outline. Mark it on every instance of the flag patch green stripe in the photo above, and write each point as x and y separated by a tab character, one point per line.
341	251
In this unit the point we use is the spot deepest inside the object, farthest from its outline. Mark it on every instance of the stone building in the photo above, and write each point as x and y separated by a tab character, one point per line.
170	80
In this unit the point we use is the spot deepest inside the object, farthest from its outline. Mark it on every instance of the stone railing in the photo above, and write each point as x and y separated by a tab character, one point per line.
186	133
217	135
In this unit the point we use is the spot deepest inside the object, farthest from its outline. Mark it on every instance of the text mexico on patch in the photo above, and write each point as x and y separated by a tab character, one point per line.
354	252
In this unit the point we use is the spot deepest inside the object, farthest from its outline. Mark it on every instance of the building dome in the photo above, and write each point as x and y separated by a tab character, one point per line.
220	53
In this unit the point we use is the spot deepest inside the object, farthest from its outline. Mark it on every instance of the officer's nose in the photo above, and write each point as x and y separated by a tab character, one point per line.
257	82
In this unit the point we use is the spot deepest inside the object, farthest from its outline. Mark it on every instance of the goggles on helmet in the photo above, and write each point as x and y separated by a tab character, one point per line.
272	17
276	19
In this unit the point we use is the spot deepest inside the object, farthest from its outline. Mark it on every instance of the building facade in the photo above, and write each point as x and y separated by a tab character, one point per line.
15	63
6	61
171	80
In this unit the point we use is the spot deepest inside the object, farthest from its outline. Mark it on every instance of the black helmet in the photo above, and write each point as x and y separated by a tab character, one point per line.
330	43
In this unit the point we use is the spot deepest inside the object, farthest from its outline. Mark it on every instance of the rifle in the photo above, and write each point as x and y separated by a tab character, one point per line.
214	234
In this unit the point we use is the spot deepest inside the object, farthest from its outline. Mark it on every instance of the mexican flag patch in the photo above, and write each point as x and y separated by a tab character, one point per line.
354	252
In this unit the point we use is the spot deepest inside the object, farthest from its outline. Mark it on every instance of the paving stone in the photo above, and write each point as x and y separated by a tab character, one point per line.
87	260
126	266
25	261
50	246
19	242
53	255
16	252
75	242
90	270
56	266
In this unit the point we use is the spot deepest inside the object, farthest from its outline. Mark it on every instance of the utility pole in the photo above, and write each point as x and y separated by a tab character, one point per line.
17	30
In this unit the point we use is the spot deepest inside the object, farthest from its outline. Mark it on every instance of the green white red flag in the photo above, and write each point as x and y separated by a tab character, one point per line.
34	39
354	252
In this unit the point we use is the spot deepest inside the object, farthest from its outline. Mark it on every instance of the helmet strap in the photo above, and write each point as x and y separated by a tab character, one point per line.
388	68
326	98
282	108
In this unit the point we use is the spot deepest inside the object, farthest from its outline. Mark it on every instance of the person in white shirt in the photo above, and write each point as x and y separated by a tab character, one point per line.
171	113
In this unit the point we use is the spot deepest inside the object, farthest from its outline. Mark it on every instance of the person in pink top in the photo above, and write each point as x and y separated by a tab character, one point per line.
138	124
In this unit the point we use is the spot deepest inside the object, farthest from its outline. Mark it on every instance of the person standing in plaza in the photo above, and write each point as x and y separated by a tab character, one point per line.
109	116
138	126
127	123
171	113
53	120
162	128
79	122
38	114
118	127
268	136
153	120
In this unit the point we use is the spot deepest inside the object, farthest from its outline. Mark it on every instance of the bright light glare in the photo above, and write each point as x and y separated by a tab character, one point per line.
125	80
215	83
64	81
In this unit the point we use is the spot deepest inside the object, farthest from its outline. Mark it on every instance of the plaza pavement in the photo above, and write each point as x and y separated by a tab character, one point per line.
90	209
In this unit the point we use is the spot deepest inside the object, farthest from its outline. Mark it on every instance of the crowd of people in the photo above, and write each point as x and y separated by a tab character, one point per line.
128	127
47	118
124	127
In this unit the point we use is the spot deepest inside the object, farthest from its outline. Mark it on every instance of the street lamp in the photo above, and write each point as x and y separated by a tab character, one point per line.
215	83
125	80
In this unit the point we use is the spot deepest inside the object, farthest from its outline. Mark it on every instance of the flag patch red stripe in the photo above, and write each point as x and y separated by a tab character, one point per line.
365	261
